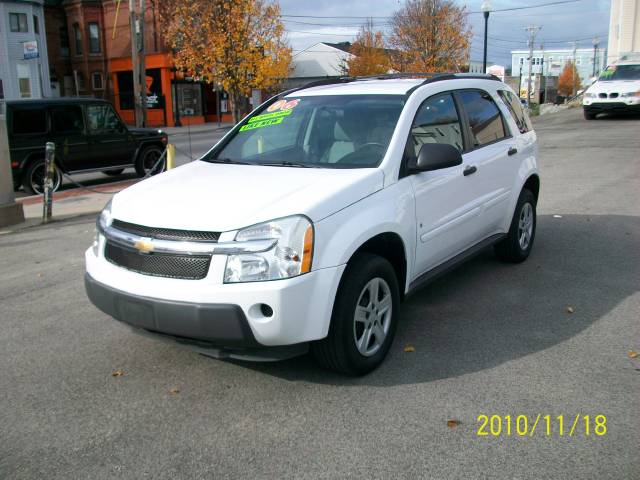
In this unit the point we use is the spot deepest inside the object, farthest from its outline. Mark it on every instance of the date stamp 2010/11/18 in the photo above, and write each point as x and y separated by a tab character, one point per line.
547	425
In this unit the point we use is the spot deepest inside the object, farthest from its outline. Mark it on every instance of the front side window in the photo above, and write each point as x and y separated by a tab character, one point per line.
484	117
77	37
103	119
328	131
67	119
436	121
18	22
94	38
29	121
516	110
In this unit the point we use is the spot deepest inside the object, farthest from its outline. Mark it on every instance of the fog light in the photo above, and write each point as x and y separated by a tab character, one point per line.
266	310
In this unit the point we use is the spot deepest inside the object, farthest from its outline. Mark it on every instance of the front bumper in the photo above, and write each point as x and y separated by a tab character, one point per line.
206	310
610	106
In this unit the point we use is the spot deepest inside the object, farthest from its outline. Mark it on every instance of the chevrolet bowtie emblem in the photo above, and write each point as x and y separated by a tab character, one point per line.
144	245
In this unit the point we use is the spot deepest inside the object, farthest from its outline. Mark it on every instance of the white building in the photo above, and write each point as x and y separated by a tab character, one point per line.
320	61
624	29
551	62
24	66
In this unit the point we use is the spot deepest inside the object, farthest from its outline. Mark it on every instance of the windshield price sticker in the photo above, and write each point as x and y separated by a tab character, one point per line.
276	113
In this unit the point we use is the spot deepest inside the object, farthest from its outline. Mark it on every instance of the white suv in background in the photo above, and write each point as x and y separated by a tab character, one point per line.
310	221
617	90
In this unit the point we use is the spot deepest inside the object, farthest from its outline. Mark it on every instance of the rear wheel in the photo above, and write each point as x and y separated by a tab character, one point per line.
588	115
33	180
364	320
517	245
147	161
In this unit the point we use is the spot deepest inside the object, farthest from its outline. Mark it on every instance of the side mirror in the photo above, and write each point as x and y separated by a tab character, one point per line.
434	156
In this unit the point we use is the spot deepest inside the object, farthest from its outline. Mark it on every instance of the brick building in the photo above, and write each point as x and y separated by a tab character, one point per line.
90	55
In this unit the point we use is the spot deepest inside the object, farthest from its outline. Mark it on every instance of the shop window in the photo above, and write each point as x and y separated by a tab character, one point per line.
24	80
189	99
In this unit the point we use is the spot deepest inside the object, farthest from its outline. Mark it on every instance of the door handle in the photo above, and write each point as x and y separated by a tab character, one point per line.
512	151
469	169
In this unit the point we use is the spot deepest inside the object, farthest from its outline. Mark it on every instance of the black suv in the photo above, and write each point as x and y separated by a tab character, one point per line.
89	136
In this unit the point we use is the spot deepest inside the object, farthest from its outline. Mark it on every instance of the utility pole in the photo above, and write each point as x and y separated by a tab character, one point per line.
532	30
596	43
136	23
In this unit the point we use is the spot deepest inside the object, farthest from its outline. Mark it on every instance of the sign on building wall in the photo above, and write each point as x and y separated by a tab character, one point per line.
30	49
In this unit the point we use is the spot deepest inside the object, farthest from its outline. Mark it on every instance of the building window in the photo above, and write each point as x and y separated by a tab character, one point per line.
18	22
64	41
24	80
77	37
80	81
94	38
578	60
96	81
36	25
521	61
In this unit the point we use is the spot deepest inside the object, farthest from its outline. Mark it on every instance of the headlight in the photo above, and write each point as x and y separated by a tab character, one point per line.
630	94
104	221
589	95
290	257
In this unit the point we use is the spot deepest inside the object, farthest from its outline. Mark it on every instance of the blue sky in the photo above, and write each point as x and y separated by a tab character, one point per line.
561	24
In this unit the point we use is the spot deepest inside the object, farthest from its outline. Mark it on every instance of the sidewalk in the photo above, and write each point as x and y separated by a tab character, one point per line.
68	204
197	129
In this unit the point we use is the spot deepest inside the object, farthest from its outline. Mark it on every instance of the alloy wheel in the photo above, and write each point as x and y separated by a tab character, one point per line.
372	318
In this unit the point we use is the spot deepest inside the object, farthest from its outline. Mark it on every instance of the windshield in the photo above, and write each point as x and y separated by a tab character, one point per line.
330	131
621	72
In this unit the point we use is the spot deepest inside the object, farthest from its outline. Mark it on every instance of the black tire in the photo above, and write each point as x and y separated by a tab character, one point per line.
113	173
33	179
147	158
588	115
338	351
511	248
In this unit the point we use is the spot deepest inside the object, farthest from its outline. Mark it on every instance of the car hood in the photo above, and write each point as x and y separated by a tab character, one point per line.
218	197
619	86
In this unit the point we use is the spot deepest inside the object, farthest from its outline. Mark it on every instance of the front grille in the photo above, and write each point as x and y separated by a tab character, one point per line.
188	267
166	233
602	95
613	95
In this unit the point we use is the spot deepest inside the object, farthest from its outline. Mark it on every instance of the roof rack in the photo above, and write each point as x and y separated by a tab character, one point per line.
428	78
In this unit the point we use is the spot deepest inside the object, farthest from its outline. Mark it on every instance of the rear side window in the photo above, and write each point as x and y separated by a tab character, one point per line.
516	110
484	117
29	121
67	120
436	121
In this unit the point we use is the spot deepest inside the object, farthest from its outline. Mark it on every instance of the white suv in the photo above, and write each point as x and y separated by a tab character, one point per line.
617	90
310	221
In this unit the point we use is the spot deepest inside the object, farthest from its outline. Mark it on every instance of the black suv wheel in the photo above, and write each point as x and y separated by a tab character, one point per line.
148	160
33	179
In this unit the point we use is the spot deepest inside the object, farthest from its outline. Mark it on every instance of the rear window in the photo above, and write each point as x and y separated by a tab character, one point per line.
29	121
516	110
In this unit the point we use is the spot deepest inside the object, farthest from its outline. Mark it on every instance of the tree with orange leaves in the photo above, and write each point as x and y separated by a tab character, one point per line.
569	80
238	44
430	36
369	53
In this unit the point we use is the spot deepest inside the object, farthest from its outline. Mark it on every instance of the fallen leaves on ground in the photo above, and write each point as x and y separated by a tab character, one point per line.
117	373
409	349
453	423
570	310
632	354
174	391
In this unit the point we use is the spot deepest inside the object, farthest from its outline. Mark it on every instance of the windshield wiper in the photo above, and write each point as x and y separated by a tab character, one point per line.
229	161
286	163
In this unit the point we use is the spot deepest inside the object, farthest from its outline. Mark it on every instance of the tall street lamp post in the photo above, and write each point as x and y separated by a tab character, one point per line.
485	8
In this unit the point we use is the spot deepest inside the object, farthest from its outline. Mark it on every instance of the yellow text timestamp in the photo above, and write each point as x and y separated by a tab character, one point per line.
541	424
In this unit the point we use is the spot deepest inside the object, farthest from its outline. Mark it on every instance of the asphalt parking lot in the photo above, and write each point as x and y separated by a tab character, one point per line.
489	338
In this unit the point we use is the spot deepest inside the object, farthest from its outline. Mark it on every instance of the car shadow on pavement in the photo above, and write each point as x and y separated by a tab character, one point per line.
486	313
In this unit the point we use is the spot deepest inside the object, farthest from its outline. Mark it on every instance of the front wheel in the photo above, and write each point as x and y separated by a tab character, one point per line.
517	245
148	161
364	319
588	115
